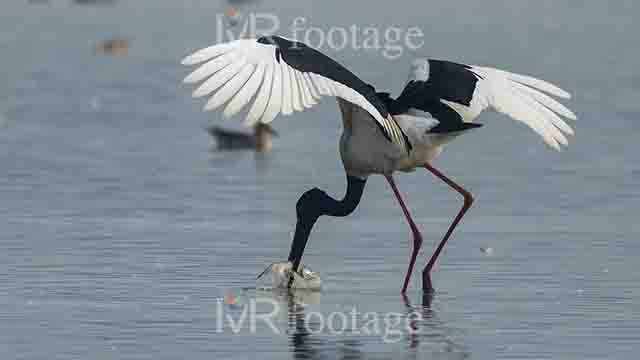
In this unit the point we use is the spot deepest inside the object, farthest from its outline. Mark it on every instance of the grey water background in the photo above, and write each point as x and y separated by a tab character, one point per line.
120	230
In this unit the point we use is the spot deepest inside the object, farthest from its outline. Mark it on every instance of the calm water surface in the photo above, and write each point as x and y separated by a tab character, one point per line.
120	231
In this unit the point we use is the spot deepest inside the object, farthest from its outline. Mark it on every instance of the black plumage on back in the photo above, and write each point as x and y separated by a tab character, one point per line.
447	81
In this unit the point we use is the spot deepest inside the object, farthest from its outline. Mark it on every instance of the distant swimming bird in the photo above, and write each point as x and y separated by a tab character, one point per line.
242	2
381	135
233	17
257	138
94	2
115	46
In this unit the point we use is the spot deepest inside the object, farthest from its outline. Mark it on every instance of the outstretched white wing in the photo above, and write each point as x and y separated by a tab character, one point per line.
275	76
469	90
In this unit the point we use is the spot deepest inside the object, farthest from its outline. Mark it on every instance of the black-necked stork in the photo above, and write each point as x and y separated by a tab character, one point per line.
381	135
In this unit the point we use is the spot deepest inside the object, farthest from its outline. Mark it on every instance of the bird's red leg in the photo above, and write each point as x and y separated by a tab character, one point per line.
417	237
468	200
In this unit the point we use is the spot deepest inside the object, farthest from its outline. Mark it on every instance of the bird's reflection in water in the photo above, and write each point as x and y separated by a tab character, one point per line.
414	322
427	328
426	335
229	159
263	162
305	332
303	345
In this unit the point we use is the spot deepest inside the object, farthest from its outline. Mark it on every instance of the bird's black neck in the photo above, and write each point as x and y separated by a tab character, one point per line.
315	203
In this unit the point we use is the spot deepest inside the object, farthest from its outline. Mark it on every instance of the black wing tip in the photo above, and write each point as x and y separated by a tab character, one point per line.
280	42
468	126
440	129
271	39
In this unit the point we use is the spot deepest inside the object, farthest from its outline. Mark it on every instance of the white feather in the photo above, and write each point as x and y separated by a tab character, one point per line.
310	100
547	101
275	100
219	78
230	88
538	84
281	90
245	94
211	67
321	84
287	91
312	89
296	94
331	89
500	91
206	54
521	97
542	110
504	101
304	100
262	99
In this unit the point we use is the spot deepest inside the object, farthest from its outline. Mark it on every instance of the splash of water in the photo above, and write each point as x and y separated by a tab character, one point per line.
280	273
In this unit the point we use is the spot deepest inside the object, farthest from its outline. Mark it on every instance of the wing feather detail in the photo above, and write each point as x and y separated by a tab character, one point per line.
468	90
273	75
